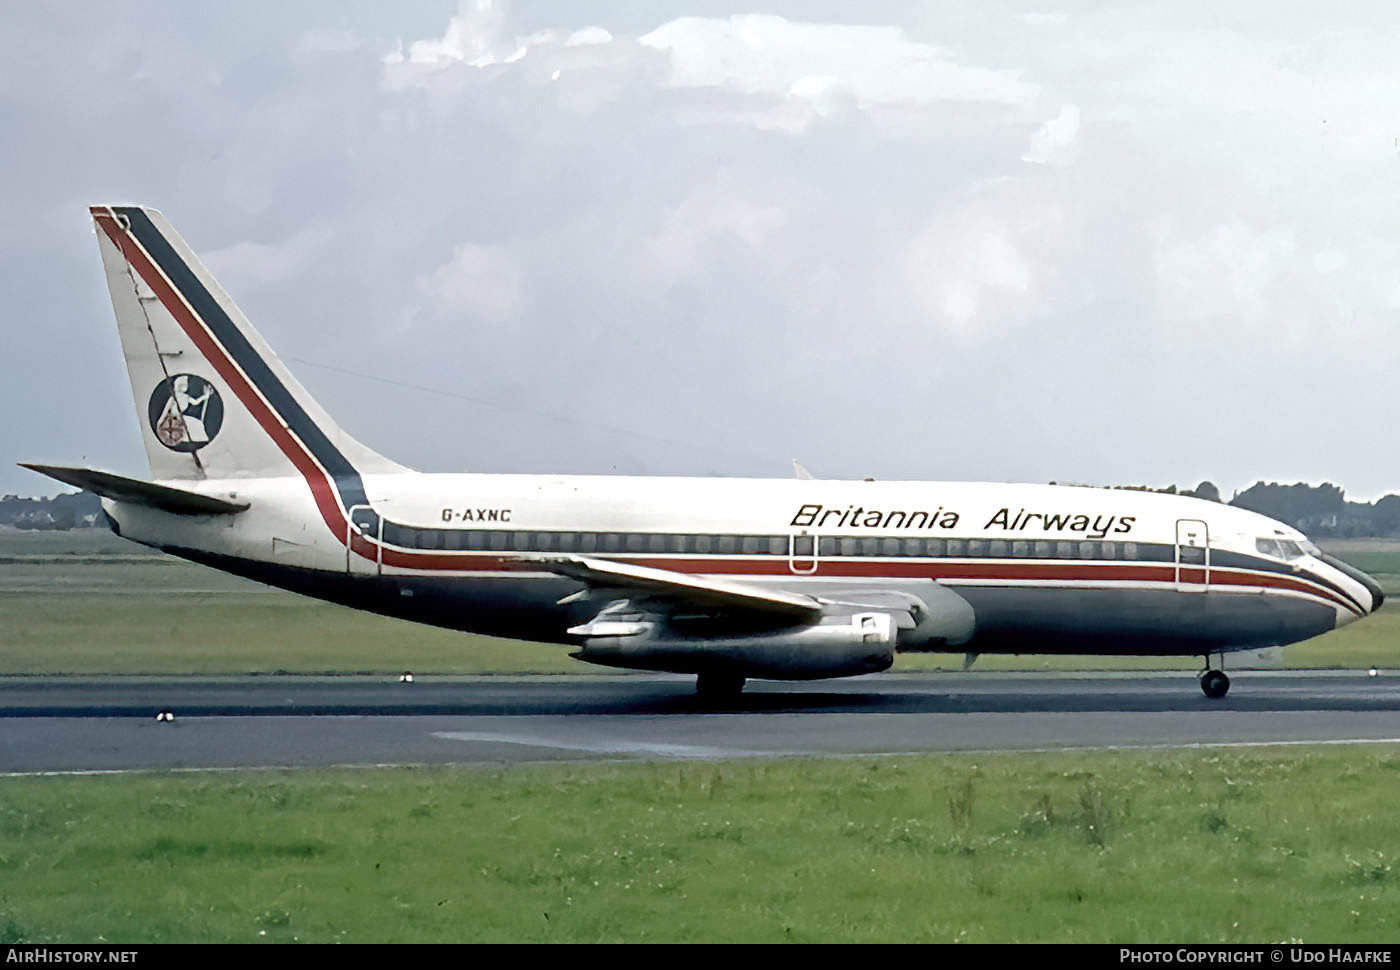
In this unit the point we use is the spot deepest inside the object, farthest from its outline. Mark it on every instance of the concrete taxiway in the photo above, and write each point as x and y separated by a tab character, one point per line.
75	724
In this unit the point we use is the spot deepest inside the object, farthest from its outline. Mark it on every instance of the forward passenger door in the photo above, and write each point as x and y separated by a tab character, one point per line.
1192	556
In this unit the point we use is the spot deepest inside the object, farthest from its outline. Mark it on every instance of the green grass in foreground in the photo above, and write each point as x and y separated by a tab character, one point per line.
1081	847
90	603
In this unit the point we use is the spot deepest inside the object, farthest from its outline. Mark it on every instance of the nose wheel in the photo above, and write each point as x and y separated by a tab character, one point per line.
1214	684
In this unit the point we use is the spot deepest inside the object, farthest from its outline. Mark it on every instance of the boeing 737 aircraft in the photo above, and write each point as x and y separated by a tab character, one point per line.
725	579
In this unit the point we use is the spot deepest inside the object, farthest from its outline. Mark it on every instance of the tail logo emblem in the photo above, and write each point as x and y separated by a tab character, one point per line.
185	412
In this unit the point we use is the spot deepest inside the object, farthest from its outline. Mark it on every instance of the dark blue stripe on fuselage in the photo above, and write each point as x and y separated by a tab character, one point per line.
1260	564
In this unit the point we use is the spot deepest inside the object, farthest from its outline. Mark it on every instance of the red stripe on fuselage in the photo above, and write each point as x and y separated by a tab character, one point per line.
1239	581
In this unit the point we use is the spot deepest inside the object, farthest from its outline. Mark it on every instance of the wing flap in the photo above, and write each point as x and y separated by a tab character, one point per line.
694	590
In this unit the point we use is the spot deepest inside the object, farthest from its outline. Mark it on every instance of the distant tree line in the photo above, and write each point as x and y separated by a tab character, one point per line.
1318	510
73	510
1321	511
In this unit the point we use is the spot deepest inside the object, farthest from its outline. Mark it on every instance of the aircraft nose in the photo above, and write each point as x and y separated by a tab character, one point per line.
1372	587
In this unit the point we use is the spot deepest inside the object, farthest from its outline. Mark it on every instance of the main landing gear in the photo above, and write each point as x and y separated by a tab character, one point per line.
1214	683
719	686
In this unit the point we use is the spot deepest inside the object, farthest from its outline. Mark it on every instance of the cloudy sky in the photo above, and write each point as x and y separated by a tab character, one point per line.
1040	240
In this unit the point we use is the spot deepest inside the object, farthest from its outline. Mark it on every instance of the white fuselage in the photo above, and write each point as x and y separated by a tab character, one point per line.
1143	560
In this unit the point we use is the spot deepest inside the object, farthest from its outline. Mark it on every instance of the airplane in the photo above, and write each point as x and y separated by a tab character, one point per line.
726	579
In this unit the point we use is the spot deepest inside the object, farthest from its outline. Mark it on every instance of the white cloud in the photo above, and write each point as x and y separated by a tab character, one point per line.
714	214
1223	278
589	37
764	56
1329	262
785	75
1054	137
957	276
255	264
474	36
478	283
986	262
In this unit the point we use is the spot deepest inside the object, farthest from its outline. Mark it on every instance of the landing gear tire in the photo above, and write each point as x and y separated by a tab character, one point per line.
719	687
1215	684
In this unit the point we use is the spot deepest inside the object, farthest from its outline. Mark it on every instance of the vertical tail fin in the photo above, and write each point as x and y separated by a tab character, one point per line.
212	398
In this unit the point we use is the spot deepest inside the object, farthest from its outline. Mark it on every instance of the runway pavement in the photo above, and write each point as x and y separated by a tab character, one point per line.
70	724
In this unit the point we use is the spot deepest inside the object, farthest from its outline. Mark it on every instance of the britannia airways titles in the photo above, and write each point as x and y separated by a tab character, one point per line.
815	516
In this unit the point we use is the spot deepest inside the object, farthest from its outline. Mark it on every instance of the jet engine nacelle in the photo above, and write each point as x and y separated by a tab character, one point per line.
928	616
839	645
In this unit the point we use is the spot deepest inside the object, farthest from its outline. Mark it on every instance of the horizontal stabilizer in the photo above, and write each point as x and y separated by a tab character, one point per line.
707	591
119	489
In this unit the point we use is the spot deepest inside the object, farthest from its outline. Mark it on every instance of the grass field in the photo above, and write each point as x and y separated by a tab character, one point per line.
88	602
1129	847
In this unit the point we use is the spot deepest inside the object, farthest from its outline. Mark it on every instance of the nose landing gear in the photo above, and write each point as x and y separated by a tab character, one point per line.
1214	683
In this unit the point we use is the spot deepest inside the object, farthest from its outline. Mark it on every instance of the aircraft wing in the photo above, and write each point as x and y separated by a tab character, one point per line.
930	613
695	591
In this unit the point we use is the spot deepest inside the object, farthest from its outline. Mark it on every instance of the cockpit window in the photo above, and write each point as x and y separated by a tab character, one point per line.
1279	548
